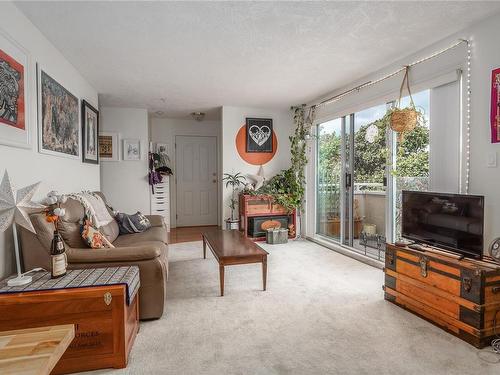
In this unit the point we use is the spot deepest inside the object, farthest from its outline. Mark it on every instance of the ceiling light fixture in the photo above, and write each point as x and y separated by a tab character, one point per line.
198	116
159	113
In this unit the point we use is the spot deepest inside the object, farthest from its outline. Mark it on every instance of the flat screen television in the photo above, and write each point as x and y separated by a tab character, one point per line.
451	221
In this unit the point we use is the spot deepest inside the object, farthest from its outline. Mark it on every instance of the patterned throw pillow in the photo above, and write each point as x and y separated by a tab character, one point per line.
93	238
135	223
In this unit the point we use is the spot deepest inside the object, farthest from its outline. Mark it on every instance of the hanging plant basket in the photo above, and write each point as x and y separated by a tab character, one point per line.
404	120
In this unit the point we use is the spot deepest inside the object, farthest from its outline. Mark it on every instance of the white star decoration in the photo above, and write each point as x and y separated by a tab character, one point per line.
258	178
17	208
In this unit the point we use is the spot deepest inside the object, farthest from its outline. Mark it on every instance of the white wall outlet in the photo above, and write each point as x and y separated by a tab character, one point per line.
492	160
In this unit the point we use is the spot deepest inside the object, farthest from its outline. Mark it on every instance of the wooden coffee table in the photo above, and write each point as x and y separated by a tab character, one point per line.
230	247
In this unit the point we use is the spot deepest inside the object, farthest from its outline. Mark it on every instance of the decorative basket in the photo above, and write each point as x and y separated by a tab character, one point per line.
404	120
276	236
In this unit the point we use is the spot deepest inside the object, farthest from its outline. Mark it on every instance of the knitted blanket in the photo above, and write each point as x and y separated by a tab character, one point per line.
95	208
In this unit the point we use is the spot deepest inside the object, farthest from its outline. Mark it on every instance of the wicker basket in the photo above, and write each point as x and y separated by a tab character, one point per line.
404	120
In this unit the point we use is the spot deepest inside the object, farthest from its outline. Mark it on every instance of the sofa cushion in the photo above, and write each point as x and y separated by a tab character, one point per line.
110	230
155	234
70	232
94	238
146	251
135	223
70	224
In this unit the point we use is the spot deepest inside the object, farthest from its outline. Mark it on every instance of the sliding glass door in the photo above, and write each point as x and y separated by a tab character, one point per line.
370	180
329	180
361	169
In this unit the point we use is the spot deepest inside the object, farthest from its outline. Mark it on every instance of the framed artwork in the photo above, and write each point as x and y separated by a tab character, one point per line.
15	64
495	106
58	119
259	137
109	147
131	149
90	131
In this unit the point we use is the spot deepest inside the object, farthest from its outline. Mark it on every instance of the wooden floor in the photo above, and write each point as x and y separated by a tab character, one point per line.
187	234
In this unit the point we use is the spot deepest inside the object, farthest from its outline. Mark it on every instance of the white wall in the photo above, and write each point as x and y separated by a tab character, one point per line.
125	183
484	180
27	166
485	57
164	130
233	118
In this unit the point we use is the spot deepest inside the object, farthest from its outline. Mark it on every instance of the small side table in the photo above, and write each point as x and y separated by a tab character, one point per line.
34	350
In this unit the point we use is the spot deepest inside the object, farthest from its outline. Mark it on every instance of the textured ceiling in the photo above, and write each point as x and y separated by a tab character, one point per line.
201	55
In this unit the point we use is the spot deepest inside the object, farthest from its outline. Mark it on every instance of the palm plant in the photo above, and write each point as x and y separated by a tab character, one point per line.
234	181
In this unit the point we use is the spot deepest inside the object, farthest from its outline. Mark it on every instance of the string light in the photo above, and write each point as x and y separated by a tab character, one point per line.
468	117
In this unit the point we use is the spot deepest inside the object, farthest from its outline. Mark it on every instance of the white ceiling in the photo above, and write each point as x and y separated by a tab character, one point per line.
201	55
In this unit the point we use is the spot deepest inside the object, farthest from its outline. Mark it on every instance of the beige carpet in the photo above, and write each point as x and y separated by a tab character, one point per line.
323	313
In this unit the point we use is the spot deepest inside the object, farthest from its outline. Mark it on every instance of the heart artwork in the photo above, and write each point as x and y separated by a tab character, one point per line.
260	134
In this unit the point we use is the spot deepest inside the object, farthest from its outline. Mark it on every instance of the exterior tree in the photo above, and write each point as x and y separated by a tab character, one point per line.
370	159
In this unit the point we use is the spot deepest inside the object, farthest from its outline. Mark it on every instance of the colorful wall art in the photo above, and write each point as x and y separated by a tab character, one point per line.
59	127
14	92
495	106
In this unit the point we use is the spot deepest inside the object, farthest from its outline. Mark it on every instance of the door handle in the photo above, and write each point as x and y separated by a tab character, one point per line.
348	180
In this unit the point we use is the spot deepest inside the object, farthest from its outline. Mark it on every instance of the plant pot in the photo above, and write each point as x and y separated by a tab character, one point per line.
232	224
403	121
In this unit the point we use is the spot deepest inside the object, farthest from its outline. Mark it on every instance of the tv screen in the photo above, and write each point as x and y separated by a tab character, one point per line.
450	221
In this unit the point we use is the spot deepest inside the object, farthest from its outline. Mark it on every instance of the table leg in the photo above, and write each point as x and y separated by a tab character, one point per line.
221	275
204	248
264	272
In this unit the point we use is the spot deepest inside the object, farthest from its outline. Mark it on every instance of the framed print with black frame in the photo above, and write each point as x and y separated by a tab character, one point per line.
259	135
90	133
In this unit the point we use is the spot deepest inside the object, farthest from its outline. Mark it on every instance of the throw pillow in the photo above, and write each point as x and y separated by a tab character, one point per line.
93	238
135	223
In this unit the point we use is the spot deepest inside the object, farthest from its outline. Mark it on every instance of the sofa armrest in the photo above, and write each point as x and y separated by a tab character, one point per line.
156	220
118	254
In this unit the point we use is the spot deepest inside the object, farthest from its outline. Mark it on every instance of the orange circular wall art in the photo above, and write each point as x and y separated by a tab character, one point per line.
255	158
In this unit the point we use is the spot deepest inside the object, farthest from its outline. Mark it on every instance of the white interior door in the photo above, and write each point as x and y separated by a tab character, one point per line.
196	161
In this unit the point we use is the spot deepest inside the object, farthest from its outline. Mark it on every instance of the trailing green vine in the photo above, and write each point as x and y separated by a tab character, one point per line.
288	187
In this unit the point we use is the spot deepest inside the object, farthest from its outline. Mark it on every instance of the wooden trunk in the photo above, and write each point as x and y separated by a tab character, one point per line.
105	327
460	296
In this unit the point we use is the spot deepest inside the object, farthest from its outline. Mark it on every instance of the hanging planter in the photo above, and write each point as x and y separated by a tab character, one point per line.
404	120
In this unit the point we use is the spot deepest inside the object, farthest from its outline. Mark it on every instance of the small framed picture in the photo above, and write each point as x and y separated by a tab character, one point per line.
90	131
131	149
109	147
259	135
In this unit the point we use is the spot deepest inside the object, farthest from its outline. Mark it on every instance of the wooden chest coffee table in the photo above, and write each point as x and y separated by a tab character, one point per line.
101	303
231	247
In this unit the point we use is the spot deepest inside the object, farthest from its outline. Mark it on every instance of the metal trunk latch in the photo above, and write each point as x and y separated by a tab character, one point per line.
467	281
107	298
390	258
423	266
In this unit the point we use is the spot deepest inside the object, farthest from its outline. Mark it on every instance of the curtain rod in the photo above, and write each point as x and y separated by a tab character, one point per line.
371	83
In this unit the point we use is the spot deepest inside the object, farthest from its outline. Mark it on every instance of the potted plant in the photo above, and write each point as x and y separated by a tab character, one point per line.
234	181
404	120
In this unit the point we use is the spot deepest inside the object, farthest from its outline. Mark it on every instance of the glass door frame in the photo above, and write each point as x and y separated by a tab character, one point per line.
347	173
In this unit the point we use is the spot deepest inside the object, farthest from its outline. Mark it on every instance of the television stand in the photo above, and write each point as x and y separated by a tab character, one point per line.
461	296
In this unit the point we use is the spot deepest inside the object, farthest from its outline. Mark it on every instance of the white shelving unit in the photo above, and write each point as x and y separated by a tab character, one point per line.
160	201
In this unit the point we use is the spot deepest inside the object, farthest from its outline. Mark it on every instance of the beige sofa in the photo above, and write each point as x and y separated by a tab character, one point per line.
148	250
